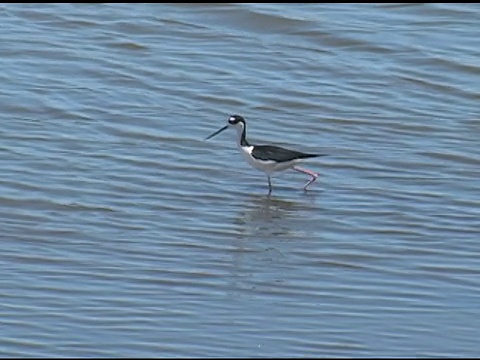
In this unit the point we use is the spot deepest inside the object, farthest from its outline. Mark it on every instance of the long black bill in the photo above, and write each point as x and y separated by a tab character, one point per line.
217	132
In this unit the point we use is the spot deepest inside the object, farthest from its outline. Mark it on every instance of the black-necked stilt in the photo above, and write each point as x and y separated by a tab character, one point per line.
267	158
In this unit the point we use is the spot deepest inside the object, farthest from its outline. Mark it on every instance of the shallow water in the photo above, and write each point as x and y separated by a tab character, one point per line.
126	234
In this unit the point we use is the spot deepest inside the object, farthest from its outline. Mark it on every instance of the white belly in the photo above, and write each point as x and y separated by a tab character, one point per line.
267	166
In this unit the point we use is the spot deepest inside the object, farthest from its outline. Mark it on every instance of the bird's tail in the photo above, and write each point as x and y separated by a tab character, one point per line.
306	156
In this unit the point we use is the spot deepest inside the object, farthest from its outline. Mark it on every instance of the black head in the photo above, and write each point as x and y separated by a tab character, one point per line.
235	119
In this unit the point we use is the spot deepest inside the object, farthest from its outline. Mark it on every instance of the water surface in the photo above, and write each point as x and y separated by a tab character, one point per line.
125	234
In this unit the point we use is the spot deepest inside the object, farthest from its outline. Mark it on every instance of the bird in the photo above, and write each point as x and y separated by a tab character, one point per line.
267	158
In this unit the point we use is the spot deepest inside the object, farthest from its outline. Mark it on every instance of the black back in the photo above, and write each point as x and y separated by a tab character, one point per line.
278	154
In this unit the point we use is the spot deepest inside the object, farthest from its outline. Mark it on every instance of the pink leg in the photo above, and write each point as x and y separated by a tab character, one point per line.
309	172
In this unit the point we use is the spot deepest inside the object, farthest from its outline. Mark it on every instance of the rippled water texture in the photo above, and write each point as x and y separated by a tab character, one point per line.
125	234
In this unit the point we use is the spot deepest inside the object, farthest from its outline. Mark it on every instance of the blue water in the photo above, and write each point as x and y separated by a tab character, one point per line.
125	234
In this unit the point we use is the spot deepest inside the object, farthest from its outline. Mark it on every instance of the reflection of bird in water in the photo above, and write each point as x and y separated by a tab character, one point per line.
266	228
266	216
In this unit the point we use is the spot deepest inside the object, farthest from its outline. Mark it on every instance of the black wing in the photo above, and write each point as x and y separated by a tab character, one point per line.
277	153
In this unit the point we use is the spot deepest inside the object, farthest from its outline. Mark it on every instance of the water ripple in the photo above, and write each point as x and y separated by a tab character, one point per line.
121	223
